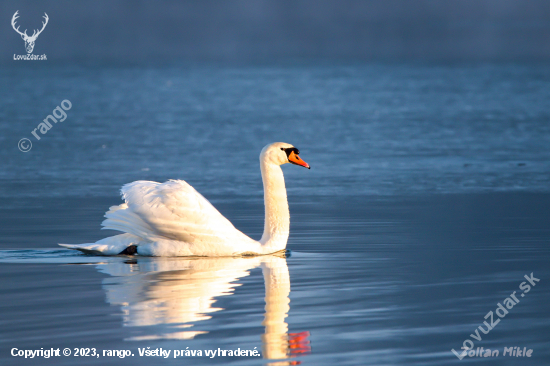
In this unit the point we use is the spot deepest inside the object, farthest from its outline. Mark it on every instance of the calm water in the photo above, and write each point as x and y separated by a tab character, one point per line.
427	203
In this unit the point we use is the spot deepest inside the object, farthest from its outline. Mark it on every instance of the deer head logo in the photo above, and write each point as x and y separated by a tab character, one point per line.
29	41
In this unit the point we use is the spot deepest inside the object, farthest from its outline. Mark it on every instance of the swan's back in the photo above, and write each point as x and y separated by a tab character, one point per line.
172	210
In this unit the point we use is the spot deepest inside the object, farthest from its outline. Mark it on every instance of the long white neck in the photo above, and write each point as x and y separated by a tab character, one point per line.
277	217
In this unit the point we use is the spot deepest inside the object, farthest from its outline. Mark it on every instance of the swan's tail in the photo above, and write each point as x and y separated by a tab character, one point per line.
113	245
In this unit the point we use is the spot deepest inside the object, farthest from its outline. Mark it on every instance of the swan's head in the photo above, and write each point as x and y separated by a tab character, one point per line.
280	153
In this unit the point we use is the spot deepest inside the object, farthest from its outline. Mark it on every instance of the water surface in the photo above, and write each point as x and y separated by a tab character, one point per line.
426	205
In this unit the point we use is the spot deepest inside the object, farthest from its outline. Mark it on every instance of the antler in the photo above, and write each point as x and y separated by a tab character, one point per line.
43	26
35	34
15	16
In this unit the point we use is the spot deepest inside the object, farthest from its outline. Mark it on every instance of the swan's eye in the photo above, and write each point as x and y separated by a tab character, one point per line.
282	148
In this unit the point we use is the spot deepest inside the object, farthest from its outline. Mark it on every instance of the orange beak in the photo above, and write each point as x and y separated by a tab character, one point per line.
295	159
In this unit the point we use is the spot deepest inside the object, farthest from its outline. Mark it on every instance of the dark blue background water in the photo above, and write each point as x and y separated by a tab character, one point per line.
427	203
380	130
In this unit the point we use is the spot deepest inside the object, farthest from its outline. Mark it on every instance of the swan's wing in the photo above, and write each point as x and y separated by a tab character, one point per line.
172	210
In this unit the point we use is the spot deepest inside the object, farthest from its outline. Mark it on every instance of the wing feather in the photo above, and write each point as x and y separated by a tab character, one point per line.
172	210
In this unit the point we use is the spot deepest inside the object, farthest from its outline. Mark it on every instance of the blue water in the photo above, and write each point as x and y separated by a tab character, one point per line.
427	203
370	130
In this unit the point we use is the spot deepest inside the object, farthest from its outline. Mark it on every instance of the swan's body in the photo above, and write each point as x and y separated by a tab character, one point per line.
173	219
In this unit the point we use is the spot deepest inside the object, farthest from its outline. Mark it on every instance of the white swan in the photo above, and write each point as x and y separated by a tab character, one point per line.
173	219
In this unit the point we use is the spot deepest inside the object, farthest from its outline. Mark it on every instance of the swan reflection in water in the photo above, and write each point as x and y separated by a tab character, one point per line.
180	292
